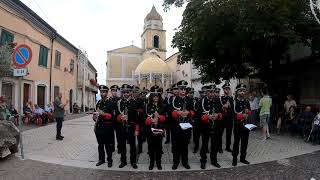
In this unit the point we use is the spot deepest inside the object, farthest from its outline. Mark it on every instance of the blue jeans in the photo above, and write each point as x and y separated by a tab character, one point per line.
59	126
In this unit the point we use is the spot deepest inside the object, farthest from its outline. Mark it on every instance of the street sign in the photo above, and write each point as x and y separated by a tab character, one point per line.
20	72
22	56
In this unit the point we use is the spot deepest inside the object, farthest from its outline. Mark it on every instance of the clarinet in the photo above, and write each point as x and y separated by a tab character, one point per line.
212	114
184	109
125	115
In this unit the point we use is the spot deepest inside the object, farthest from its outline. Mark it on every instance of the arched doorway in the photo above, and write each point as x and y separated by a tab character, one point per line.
70	100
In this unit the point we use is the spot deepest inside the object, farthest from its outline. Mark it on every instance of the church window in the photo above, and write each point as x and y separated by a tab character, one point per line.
156	41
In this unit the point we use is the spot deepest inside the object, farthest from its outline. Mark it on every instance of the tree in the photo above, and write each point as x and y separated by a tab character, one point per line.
234	38
5	59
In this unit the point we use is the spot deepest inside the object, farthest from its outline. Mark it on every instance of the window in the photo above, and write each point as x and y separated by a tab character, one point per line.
56	91
6	37
43	56
57	59
71	66
156	41
41	95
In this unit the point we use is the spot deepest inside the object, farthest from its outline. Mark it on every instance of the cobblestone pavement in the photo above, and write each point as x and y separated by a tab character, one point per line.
25	127
303	167
79	149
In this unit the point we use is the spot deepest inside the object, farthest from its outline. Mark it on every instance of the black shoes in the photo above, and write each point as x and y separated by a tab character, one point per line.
228	149
100	162
151	166
174	166
109	164
244	161
159	166
59	138
134	165
215	164
123	164
234	162
185	165
203	166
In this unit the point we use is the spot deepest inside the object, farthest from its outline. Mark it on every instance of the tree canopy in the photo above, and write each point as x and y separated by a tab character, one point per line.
234	38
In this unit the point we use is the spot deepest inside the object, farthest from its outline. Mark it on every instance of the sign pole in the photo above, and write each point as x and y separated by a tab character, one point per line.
20	117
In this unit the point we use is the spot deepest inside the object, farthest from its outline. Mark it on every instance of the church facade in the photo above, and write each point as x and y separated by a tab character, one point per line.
123	62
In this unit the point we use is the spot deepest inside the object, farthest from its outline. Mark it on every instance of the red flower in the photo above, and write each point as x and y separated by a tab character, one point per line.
205	118
162	118
175	114
148	121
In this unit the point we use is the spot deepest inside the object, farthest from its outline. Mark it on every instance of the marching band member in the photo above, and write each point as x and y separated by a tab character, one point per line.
227	109
209	112
241	133
114	99
182	113
155	123
129	129
104	126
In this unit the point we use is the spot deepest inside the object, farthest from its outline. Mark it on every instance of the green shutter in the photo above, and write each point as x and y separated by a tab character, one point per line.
6	37
43	56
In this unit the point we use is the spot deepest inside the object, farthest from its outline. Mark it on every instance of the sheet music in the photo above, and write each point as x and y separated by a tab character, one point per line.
185	126
250	126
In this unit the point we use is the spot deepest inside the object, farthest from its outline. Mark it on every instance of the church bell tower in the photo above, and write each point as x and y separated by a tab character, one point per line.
153	36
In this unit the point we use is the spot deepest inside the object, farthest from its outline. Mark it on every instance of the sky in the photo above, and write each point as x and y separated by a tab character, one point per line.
101	25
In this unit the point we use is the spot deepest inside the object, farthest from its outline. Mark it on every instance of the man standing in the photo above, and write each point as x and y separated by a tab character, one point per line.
114	99
182	113
58	114
129	128
209	112
227	111
265	105
104	127
241	133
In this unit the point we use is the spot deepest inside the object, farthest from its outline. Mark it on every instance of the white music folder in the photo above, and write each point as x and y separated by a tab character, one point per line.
185	126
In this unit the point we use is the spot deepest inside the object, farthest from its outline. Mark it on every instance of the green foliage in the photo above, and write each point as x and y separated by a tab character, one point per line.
5	59
234	38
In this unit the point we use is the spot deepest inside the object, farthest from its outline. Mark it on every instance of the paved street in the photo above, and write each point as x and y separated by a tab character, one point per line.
79	148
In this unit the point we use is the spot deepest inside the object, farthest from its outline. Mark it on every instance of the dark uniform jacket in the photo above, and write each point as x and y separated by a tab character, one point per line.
102	124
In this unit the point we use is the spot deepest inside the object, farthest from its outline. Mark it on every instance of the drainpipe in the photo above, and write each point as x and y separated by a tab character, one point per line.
51	62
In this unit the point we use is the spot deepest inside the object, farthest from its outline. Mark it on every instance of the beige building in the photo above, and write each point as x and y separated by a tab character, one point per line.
123	62
53	65
86	83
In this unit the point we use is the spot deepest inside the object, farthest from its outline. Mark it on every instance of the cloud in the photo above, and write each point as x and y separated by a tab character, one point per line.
102	25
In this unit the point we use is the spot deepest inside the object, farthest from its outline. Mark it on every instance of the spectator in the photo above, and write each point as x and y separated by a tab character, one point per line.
4	111
58	114
265	105
289	103
48	113
254	105
28	112
306	119
315	132
295	126
39	113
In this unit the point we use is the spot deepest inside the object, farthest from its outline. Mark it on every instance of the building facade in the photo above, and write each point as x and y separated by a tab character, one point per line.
122	62
53	65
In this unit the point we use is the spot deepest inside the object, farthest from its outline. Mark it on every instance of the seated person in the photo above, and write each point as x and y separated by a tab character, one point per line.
76	108
315	132
306	119
28	113
48	113
39	113
4	110
295	126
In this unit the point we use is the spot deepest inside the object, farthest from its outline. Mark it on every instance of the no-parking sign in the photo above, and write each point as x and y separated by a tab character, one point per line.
22	56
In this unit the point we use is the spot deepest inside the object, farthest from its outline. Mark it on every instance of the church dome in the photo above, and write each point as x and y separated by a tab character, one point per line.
153	64
153	15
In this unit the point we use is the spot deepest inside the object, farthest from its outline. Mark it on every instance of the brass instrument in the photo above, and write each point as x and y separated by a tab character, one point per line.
211	115
184	109
125	114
